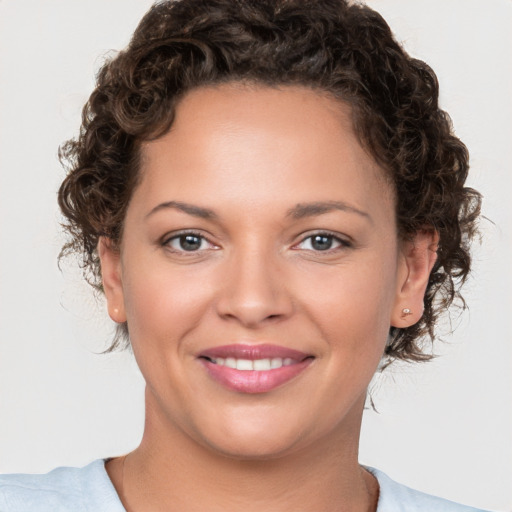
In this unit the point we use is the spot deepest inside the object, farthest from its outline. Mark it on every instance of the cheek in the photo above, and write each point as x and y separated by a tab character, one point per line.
164	303
354	299
352	310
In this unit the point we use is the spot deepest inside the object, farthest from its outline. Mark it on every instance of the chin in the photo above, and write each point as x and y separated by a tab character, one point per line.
263	448
252	440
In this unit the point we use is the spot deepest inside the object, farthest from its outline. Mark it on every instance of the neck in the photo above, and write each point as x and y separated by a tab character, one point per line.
172	471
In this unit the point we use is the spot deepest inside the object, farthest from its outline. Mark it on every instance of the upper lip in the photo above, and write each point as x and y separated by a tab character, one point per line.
254	352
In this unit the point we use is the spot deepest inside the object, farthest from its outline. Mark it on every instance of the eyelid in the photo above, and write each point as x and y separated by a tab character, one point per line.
167	238
344	241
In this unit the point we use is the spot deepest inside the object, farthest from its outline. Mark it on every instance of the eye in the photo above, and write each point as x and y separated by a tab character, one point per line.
188	242
322	242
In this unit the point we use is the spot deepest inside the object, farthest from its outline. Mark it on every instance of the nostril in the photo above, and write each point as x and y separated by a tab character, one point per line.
253	305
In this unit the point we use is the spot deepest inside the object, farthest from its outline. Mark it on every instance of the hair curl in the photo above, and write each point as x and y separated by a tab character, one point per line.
335	46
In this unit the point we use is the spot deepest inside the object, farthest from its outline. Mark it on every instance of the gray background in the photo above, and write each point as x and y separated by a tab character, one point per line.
444	427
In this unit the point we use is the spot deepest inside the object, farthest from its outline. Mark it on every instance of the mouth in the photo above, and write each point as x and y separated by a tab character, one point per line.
258	365
254	368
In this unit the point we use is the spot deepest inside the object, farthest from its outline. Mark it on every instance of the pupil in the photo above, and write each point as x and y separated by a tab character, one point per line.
190	242
321	242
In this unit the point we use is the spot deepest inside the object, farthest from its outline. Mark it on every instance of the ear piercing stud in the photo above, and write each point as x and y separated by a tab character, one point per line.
406	312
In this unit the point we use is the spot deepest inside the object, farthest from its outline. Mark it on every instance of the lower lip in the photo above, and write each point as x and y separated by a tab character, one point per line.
252	381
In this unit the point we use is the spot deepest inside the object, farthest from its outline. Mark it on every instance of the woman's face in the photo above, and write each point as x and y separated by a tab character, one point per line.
259	271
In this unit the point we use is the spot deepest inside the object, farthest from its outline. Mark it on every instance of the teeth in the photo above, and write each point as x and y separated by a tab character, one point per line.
261	364
230	362
244	364
257	364
276	362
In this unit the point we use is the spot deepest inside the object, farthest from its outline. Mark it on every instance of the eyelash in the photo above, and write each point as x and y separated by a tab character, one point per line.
342	243
177	236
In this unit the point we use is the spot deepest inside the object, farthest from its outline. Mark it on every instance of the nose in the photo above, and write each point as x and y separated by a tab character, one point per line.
255	290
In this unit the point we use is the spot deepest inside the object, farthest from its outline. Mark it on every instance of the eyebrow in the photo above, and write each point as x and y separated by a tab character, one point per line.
302	210
299	211
190	209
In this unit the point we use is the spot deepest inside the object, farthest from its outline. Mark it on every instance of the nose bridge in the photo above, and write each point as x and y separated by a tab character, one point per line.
254	288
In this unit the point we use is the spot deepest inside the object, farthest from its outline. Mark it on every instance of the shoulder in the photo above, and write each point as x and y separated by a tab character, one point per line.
61	490
395	497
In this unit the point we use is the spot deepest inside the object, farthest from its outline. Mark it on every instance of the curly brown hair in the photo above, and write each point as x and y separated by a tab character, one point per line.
335	46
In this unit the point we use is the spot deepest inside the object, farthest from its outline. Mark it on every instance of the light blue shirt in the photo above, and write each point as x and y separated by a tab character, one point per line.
89	489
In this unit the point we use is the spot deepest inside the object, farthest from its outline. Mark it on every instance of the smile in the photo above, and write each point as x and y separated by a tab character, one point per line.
254	368
255	365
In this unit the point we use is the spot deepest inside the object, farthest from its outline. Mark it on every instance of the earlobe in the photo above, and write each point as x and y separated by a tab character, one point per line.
111	276
418	256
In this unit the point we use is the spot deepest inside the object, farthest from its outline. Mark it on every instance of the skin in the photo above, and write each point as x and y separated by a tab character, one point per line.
250	155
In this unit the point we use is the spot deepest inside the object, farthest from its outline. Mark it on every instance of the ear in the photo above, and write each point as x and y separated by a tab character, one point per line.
110	259
418	256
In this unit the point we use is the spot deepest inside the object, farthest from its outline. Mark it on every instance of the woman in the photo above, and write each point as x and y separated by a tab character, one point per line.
274	206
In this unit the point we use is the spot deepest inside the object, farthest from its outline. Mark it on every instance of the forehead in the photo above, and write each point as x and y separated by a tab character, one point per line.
261	141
